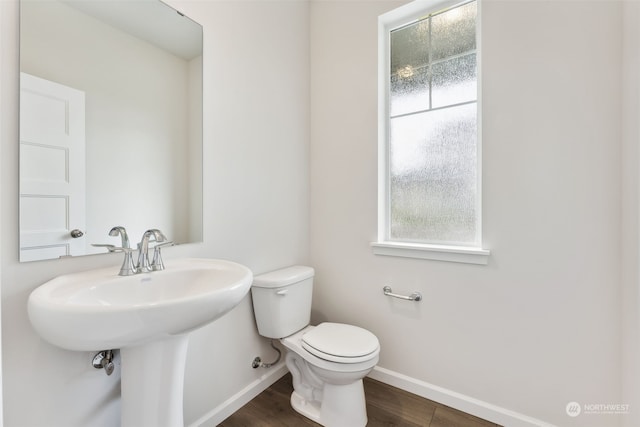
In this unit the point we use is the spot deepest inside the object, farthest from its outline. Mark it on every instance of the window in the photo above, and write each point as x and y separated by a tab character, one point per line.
429	181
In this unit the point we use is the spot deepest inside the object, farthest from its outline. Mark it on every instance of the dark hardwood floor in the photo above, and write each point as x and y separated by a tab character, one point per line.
387	406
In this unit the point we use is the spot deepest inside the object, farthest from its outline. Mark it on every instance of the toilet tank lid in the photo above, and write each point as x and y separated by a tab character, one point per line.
283	277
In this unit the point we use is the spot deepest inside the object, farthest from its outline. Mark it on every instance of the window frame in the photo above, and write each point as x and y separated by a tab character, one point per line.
473	254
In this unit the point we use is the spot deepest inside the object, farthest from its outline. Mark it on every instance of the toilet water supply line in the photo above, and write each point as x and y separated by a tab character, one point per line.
257	362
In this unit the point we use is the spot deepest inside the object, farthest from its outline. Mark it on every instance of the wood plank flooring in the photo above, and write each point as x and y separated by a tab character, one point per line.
387	406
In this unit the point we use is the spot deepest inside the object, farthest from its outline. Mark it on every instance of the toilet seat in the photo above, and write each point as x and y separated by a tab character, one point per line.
341	343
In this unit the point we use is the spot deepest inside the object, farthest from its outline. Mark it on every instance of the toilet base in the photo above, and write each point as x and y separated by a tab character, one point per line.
341	406
310	410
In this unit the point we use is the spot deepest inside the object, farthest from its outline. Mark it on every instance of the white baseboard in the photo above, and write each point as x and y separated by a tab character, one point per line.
470	405
238	400
484	410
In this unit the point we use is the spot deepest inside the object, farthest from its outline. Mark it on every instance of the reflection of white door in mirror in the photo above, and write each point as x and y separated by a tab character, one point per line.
52	169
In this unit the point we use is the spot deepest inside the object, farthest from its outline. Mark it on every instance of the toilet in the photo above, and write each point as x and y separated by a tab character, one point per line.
328	361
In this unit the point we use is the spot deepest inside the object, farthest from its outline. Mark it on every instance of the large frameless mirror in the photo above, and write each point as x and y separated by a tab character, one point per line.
110	124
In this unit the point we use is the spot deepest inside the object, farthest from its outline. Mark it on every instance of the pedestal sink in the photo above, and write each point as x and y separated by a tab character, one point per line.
146	316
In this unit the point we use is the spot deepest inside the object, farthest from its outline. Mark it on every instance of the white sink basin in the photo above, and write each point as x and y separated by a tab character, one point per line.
97	309
146	316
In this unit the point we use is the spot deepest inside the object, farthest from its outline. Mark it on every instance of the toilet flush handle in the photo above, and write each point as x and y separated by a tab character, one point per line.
282	292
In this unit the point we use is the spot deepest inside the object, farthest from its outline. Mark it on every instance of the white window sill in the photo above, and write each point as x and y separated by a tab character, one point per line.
468	255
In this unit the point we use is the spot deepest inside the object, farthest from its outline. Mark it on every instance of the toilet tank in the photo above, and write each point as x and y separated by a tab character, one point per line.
282	301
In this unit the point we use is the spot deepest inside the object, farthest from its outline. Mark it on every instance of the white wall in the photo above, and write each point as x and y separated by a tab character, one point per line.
631	199
256	115
540	325
194	159
255	183
2	81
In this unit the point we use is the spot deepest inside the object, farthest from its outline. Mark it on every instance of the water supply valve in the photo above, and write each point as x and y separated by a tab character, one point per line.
104	360
258	363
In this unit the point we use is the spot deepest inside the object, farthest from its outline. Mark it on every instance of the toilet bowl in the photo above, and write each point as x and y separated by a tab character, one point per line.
328	386
328	361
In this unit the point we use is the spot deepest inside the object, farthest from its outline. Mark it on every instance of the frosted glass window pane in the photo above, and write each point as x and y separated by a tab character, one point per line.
453	32
409	89
409	93
410	46
454	81
433	176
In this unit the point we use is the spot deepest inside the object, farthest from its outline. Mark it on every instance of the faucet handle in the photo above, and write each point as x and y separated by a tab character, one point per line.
128	268
157	264
118	249
110	248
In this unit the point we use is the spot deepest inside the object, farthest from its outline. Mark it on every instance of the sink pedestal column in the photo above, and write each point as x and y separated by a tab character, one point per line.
152	383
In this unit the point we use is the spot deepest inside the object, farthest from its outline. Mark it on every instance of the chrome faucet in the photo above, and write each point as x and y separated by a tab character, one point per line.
127	268
156	262
144	266
124	237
